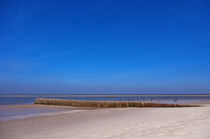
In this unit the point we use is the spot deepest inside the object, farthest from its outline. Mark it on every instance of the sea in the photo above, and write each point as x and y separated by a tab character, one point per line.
175	98
14	107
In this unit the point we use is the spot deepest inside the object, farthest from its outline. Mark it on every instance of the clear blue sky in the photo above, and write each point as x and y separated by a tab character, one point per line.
105	46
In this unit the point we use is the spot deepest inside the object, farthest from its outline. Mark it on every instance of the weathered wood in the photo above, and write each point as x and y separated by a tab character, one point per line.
105	104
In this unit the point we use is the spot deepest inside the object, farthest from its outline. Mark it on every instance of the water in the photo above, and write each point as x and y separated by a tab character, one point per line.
30	99
14	107
13	112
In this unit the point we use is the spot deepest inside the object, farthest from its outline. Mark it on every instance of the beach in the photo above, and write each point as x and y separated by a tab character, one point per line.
126	123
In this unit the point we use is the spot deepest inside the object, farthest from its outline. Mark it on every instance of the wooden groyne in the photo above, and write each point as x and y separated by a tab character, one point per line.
104	104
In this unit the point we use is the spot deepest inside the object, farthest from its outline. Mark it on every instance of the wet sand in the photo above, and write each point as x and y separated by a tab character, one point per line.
128	123
14	112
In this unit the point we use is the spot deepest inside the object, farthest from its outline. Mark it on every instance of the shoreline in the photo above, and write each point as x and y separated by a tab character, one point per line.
36	110
16	112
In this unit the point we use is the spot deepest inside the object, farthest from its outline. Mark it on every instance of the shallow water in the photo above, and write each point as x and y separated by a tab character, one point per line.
13	112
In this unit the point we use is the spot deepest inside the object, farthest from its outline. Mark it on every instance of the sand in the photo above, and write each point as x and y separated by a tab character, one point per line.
113	123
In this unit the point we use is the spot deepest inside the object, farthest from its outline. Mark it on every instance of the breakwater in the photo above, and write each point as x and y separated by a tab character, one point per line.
105	104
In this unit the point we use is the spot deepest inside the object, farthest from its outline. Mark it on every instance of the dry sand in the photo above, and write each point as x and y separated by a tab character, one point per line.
114	123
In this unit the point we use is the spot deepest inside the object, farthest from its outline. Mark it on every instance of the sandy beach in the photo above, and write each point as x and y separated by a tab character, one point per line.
114	123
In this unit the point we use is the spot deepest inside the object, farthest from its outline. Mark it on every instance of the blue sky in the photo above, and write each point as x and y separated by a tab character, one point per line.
105	46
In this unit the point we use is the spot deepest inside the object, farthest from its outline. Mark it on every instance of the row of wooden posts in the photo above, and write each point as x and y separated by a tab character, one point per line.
104	104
